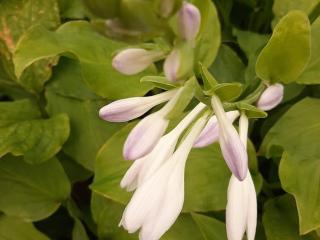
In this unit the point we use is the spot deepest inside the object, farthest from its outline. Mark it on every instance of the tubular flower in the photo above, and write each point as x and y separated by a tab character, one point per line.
241	211
130	108
157	202
171	65
233	150
148	131
134	60
189	19
210	133
145	167
271	97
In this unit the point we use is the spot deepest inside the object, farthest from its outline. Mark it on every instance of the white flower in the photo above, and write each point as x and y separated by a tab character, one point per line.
157	202
271	97
189	18
241	211
233	150
145	167
134	60
210	133
130	108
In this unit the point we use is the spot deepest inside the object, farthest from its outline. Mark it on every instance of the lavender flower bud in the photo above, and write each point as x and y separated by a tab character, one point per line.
189	21
179	63
232	148
134	60
271	97
130	108
210	133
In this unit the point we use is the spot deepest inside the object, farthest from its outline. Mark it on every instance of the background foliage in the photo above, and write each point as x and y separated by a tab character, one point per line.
61	165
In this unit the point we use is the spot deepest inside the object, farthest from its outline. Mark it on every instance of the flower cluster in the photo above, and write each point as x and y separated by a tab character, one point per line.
157	173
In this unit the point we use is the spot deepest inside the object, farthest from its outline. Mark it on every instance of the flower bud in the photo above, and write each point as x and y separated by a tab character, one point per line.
130	108
210	133
271	97
144	136
232	148
134	60
178	63
189	21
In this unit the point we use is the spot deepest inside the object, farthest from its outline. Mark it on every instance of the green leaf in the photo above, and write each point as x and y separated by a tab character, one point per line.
251	111
184	99
206	176
24	132
87	131
311	74
107	214
74	171
228	67
94	52
32	192
159	82
282	7
251	43
73	9
78	230
227	91
280	220
196	227
288	51
16	229
16	18
103	8
209	36
297	132
208	79
140	15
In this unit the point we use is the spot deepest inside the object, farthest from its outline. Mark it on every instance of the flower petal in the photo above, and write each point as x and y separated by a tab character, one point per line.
236	211
134	60
210	133
130	179
232	148
147	197
144	136
130	108
189	21
252	209
162	218
271	97
171	65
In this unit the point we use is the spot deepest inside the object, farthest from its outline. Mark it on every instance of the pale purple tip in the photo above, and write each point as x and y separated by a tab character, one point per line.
189	21
210	133
271	97
236	157
171	65
144	136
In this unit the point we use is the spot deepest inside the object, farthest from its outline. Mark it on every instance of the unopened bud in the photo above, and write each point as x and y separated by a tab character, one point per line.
189	21
179	63
134	60
271	97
